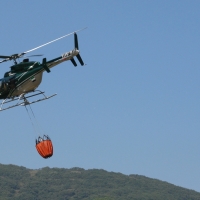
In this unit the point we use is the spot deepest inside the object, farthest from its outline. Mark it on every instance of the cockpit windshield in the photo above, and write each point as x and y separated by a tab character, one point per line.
6	84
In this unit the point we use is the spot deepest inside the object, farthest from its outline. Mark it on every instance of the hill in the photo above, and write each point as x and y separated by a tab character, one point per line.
20	183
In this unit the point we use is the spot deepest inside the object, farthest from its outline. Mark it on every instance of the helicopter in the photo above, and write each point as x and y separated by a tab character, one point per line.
25	77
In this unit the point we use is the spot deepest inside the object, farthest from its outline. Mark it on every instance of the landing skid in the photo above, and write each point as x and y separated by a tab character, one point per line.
23	101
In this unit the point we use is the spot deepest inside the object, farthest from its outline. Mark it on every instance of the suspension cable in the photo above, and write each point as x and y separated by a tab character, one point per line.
34	128
38	124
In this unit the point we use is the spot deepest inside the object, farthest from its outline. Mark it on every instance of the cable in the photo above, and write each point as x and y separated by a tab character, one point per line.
38	124
32	122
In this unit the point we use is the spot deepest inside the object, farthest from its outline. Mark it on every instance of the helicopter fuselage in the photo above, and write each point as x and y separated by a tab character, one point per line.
26	76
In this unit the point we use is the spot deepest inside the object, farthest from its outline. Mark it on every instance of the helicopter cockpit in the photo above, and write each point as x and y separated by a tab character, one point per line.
3	86
7	83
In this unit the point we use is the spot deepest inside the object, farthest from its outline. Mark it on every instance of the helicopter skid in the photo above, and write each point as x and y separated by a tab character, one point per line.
22	100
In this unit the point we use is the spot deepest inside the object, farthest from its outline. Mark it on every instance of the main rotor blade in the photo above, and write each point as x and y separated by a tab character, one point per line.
52	41
4	56
15	56
35	55
4	60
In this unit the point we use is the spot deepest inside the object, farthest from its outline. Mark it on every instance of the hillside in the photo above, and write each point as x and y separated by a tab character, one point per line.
20	183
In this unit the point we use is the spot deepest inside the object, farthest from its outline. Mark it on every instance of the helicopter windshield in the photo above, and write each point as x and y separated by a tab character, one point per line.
6	84
3	86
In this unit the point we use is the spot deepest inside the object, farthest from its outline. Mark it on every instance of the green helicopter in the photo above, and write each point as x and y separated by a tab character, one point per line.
25	77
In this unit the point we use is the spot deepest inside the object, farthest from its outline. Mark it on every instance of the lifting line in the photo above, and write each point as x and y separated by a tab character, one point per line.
38	128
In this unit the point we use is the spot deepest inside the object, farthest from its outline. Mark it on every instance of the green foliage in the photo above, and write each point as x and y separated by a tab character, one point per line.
19	183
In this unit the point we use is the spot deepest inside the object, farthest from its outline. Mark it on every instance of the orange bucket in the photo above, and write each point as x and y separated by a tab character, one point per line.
44	146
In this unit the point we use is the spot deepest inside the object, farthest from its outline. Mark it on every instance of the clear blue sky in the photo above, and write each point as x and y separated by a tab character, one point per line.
135	107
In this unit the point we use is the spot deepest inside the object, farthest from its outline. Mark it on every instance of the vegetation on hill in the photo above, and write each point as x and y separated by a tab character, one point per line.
20	183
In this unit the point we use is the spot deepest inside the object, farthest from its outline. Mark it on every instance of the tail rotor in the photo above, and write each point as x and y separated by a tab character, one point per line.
76	48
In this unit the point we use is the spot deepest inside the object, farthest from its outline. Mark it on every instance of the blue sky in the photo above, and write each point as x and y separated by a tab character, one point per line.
134	108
